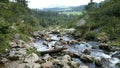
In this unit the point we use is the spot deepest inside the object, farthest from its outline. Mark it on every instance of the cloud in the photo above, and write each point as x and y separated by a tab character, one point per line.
50	3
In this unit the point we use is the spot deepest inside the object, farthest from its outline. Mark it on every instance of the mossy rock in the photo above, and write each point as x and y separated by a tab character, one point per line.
118	64
87	58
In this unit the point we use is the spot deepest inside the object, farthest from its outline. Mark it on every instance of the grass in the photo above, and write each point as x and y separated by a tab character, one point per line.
72	13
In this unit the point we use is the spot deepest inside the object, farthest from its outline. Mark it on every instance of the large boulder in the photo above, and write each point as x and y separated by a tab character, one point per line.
31	58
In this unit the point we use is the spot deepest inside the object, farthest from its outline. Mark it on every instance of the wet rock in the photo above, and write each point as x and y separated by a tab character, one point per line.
87	58
98	62
73	42
106	47
73	64
31	58
86	51
45	43
83	67
47	65
116	54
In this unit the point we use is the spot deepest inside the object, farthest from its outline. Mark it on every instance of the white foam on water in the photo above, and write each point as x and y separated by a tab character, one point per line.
114	60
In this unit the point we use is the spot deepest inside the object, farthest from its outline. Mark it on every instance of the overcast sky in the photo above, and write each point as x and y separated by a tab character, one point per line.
54	3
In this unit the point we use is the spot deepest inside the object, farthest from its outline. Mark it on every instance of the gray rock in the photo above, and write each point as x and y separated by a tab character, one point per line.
74	64
98	62
31	58
84	66
47	65
87	58
86	51
47	57
13	44
28	65
105	47
4	60
66	57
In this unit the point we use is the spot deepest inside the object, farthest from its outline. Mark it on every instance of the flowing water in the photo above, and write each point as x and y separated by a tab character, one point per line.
108	60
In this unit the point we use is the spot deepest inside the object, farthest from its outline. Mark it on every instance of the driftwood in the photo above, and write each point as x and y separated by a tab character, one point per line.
53	50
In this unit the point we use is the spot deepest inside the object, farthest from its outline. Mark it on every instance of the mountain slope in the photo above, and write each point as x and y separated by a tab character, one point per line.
71	8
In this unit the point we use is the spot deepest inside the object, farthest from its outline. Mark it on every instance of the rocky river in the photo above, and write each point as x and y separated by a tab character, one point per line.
58	49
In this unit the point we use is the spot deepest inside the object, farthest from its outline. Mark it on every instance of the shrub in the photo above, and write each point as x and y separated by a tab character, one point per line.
90	35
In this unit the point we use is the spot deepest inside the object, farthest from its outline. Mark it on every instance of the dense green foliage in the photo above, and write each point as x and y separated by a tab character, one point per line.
48	18
14	18
17	18
105	18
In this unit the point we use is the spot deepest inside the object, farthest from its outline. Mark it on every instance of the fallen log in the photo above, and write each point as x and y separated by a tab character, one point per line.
53	50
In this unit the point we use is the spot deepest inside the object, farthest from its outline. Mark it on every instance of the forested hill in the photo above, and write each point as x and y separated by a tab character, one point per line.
103	22
61	9
17	19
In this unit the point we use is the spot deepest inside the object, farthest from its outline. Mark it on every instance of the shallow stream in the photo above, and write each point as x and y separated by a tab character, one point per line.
107	60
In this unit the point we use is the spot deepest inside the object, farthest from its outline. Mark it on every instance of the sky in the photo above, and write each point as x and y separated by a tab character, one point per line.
40	4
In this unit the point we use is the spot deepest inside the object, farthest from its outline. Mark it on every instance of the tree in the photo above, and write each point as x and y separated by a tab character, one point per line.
22	2
91	6
4	0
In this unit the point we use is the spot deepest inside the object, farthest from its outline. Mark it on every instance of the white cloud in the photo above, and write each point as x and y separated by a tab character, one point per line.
50	3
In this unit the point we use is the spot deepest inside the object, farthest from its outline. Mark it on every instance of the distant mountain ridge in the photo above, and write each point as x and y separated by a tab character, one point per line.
71	8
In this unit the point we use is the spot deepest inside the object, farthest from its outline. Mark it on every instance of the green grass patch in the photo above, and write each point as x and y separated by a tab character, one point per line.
72	13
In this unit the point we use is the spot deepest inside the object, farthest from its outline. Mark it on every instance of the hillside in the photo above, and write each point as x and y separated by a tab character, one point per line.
103	23
67	9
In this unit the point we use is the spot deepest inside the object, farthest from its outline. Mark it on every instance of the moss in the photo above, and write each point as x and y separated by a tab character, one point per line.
118	64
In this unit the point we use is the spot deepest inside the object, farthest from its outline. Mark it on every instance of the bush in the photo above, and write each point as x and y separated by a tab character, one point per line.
90	35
